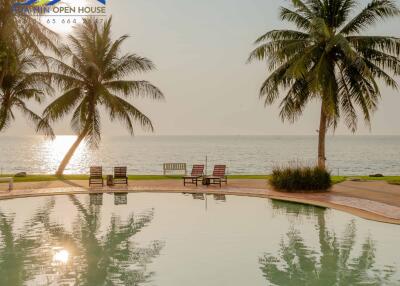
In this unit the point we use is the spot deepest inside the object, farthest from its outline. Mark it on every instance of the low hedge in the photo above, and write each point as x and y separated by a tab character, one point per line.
292	179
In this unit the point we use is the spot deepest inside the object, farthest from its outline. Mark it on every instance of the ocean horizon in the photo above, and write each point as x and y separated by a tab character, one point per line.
243	154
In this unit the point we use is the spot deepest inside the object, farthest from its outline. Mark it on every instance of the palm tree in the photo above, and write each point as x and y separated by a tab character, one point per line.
96	76
21	85
298	263
328	58
20	30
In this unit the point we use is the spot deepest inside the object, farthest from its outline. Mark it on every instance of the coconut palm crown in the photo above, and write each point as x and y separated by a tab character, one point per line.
329	58
93	76
20	30
20	86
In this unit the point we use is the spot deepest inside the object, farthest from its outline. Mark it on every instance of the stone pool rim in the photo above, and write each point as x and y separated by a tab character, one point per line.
307	199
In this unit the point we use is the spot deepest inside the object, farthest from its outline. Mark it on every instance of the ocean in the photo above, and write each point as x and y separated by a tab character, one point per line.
347	155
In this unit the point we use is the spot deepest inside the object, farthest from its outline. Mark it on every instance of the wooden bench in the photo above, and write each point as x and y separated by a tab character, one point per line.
173	167
10	182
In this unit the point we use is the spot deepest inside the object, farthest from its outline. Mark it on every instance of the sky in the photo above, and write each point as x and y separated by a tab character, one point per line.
200	49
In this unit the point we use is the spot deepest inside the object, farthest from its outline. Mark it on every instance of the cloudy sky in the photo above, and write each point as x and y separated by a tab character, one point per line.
200	50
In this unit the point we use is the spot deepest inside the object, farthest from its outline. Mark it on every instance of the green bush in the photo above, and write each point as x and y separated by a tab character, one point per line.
292	179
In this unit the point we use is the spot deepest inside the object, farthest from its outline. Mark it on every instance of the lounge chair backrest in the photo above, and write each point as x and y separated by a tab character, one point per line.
96	172
120	172
219	171
197	170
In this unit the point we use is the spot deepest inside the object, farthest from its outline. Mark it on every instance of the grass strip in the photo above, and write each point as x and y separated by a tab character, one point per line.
45	178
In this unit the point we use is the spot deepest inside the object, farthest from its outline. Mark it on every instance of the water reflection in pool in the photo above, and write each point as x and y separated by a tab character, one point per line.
332	263
193	239
46	253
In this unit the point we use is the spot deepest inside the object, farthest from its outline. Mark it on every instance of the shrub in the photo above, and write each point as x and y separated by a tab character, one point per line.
292	179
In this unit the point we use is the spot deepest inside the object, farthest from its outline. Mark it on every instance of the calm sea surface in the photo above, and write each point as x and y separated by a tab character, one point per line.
347	155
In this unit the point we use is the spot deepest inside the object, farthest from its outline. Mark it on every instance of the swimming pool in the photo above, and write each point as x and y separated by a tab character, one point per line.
178	239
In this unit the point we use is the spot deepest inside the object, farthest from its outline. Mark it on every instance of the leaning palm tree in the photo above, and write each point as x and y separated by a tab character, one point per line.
18	87
328	58
95	77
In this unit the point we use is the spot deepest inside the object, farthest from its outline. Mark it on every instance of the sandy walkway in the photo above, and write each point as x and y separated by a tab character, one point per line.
372	200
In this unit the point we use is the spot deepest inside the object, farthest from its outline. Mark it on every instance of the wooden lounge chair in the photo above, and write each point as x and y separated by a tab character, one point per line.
120	176
219	176
96	176
197	173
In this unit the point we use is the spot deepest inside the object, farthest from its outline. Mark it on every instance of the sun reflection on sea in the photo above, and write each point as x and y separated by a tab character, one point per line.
60	146
52	152
61	143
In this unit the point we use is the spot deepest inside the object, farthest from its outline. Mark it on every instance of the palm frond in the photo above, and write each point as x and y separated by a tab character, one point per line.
136	115
294	17
41	124
126	65
78	120
390	45
6	116
293	104
135	88
63	104
93	127
375	10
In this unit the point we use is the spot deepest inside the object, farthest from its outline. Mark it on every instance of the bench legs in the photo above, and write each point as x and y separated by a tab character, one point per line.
191	181
218	181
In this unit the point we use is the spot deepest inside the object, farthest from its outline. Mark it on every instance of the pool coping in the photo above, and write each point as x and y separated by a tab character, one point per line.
363	208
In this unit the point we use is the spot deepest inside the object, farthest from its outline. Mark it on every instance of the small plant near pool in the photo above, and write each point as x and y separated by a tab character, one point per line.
300	178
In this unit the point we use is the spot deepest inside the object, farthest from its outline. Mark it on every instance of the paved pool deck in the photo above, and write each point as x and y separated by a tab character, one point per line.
374	200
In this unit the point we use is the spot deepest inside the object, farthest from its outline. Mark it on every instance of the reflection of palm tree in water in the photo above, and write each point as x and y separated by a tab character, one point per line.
297	264
113	258
96	258
20	260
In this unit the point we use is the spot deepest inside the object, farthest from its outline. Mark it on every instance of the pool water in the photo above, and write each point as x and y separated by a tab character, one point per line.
185	239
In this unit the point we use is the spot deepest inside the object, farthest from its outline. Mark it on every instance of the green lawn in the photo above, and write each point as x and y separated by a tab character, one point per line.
41	178
338	179
335	179
46	178
395	180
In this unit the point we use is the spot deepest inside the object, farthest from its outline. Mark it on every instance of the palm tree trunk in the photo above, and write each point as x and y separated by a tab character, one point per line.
321	138
1	77
3	72
70	153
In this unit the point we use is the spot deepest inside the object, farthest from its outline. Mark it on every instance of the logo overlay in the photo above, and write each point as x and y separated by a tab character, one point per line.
51	8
